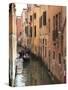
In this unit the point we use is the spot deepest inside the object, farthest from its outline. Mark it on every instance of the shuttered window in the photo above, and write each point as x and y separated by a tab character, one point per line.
35	31
30	17
44	18
40	22
30	31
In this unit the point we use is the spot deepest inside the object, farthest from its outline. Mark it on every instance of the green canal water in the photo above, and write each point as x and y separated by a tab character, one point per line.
33	72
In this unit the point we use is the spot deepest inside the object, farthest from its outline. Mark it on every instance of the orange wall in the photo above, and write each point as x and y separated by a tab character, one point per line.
19	25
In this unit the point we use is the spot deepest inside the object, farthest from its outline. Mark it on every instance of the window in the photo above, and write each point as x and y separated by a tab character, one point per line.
44	18
62	44
54	23
57	22
20	33
40	22
53	55
30	18
45	51
59	58
30	31
34	15
60	20
54	38
49	58
56	34
26	30
45	41
35	31
49	24
55	27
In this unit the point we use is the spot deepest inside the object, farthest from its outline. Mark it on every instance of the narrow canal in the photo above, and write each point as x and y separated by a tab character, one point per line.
32	72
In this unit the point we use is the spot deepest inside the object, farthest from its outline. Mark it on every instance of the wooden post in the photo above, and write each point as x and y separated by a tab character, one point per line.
12	43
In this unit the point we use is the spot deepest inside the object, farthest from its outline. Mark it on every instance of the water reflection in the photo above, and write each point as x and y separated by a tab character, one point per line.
32	72
20	80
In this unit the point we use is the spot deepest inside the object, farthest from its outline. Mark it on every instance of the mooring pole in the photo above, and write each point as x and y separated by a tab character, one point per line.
12	43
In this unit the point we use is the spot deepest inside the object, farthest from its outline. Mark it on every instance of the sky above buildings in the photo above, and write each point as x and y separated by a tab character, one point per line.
19	8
